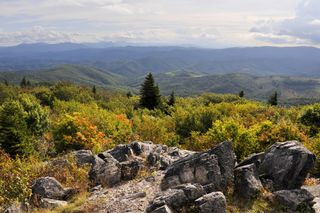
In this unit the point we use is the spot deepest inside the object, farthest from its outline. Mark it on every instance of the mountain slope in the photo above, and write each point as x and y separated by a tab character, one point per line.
136	61
72	73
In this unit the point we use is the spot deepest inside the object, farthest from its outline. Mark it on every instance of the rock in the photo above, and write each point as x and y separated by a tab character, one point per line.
130	169
296	200
227	161
315	191
164	163
256	159
143	149
83	157
51	203
174	198
153	159
121	152
214	202
162	209
192	191
287	165
247	183
49	187
105	172
199	168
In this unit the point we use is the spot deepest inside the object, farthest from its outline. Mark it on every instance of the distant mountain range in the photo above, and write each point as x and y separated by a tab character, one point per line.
293	71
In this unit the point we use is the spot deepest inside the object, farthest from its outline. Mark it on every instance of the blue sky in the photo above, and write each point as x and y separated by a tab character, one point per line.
204	23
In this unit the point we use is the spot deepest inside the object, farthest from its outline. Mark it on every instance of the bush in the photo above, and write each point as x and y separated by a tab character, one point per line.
75	132
21	123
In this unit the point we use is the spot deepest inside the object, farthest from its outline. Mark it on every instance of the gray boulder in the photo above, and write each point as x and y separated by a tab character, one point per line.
255	158
142	149
173	198
121	153
246	182
192	191
298	200
227	161
201	168
105	172
287	165
214	202
214	169
49	187
130	169
83	157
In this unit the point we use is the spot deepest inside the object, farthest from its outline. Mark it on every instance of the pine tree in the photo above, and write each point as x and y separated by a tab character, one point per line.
149	93
6	82
94	90
23	83
273	100
172	99
241	94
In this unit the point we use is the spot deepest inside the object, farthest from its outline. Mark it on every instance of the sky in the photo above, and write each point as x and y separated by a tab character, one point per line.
202	23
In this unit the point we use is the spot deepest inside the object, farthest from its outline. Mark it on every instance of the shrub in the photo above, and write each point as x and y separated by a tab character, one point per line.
76	132
21	122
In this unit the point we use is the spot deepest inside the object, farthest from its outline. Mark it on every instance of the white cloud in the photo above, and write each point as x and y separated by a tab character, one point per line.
303	27
205	22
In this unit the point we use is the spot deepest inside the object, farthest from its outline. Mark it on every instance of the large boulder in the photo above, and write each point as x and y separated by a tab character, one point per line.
106	171
215	202
247	184
227	161
83	157
297	200
201	168
49	187
121	152
213	168
287	165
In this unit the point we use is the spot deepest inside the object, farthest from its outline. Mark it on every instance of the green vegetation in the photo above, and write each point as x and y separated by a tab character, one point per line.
150	94
291	90
38	123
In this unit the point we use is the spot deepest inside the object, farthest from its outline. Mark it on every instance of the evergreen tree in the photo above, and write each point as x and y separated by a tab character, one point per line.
23	83
241	94
94	90
149	93
273	100
172	99
6	82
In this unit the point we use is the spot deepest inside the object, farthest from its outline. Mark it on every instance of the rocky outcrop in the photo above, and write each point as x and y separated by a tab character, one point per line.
213	168
247	183
146	177
215	202
287	165
226	160
105	171
298	200
83	157
49	187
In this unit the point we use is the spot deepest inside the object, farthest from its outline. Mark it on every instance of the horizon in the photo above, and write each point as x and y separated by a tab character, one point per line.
207	24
